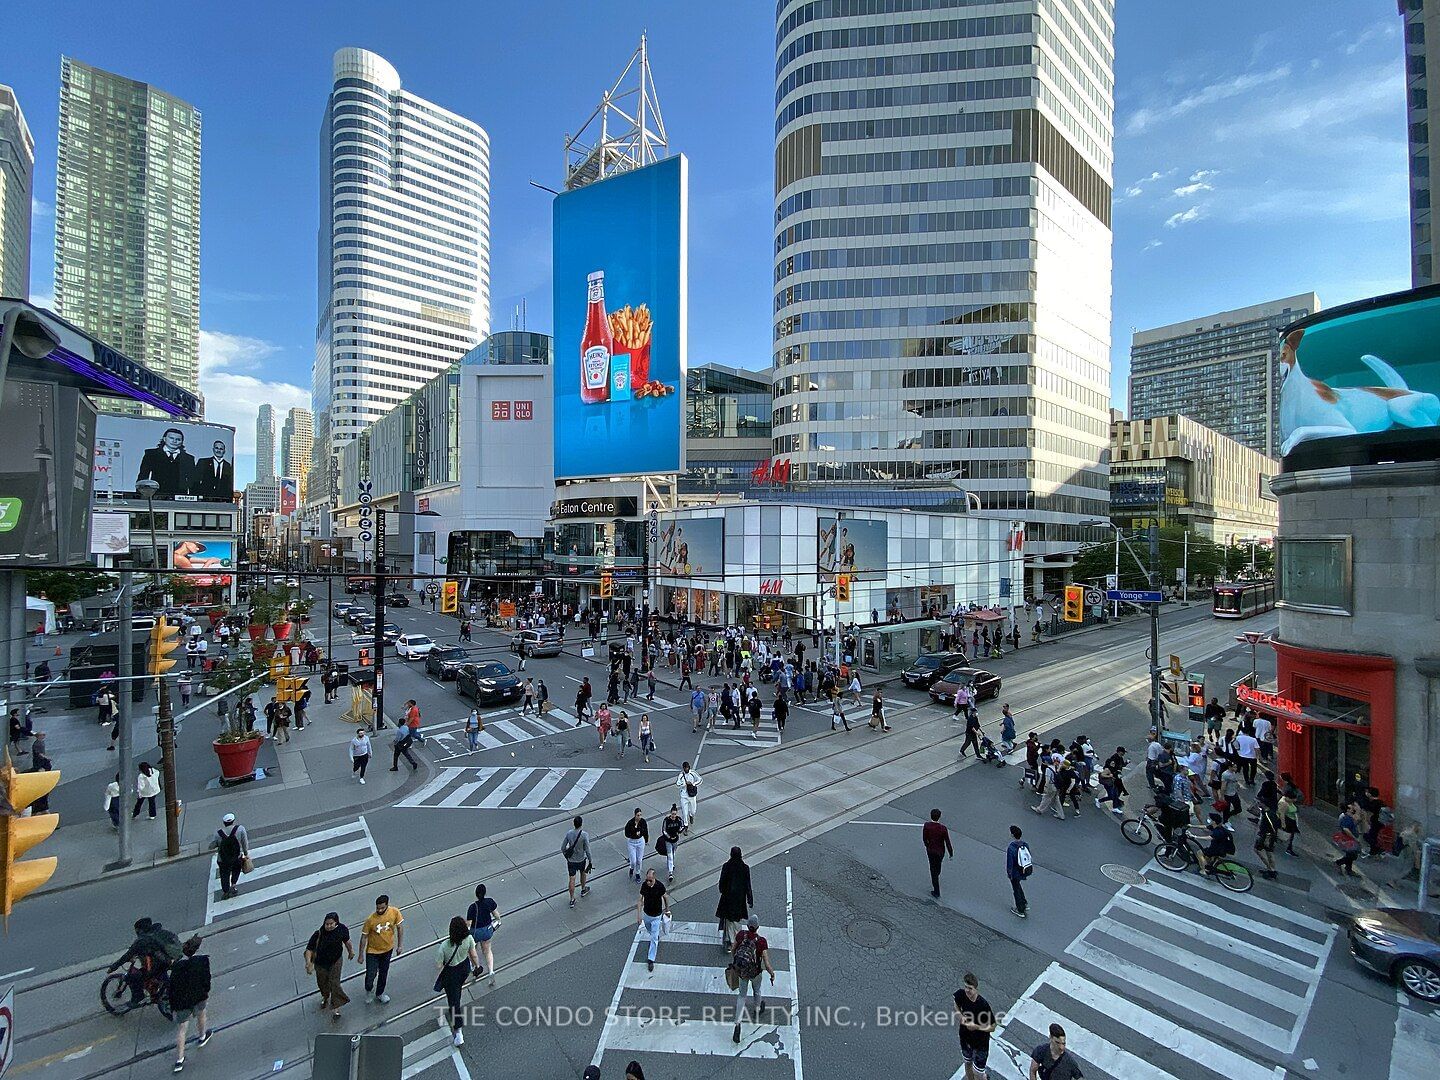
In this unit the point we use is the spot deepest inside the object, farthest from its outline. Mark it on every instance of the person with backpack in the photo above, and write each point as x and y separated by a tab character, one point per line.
1221	845
232	852
669	839
152	952
456	963
404	737
751	957
1052	798
189	994
1019	865
576	849
736	897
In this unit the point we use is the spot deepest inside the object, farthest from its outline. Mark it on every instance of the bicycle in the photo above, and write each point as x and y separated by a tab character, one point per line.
1138	830
116	996
1230	874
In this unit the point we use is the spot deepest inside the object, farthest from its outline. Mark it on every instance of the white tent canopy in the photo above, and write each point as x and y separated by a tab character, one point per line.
35	610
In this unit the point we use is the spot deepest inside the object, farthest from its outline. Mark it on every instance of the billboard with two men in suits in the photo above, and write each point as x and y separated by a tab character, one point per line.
190	462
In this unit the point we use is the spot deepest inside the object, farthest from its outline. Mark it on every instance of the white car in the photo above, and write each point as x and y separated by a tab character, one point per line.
413	646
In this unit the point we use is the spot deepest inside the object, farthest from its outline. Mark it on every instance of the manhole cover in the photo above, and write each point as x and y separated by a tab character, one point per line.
1123	874
868	933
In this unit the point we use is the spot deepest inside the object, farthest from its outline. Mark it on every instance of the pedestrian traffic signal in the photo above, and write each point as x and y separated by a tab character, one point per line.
164	639
19	834
1195	696
1074	603
842	588
607	586
449	598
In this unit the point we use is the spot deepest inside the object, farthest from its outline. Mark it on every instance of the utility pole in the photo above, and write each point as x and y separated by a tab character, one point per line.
651	541
1155	708
124	669
165	727
1185	572
379	640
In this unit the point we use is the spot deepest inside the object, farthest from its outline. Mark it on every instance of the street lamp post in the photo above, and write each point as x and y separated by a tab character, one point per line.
378	642
164	721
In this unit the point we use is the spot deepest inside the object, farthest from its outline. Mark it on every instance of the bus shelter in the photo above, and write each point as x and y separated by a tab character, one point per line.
889	648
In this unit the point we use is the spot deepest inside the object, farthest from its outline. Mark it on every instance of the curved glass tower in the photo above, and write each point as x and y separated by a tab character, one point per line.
942	253
404	251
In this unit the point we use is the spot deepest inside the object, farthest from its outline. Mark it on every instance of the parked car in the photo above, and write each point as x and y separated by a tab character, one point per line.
536	643
488	683
397	599
984	684
930	668
1400	944
443	661
413	646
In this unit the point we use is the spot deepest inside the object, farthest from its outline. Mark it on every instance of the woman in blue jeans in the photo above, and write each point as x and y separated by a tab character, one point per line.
651	907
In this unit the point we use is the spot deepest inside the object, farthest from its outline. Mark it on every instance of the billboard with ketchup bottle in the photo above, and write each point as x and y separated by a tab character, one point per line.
619	282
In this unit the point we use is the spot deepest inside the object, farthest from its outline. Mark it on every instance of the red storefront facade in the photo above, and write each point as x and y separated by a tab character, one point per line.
1334	716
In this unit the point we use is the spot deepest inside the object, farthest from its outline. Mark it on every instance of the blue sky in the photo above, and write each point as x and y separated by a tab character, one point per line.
1260	151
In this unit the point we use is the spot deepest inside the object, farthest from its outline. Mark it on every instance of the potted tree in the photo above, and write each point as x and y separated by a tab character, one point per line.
239	744
280	619
263	609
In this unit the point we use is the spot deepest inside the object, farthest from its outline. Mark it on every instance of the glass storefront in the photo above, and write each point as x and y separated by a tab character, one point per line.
697	605
495	554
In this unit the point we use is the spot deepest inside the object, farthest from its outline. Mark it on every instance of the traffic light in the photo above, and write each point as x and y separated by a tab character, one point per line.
1195	696
842	588
607	586
290	688
1074	603
449	597
279	667
19	834
164	639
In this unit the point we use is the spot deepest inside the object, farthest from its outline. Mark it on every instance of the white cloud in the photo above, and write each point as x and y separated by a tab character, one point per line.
1152	245
40	208
1387	29
233	397
1149	116
1184	217
1138	187
1340	108
1184	191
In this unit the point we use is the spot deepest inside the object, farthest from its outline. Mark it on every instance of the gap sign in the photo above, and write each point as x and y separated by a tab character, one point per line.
1135	596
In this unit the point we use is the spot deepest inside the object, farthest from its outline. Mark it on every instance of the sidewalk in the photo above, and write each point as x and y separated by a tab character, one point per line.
308	782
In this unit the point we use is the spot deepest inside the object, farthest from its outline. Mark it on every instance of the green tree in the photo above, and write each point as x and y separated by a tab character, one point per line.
66	586
1097	561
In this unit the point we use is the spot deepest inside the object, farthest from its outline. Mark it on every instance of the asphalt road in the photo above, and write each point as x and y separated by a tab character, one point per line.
869	961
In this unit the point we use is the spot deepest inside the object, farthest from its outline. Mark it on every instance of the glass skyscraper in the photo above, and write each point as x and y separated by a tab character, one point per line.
265	443
942	252
127	221
17	174
404	252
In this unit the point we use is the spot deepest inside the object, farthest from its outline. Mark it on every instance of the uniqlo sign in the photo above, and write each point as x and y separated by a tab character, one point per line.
516	410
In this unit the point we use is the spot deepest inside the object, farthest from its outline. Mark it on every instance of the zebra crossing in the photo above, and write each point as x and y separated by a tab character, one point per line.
766	736
699	1018
509	788
1235	970
300	864
431	1048
506	728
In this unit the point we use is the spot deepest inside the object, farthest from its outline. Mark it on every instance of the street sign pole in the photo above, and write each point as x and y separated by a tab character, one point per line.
1155	629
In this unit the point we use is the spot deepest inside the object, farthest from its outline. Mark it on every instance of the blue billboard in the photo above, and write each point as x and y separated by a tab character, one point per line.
619	310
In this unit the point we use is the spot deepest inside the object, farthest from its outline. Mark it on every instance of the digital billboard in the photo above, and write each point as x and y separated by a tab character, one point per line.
202	555
692	547
190	462
620	311
1362	369
853	546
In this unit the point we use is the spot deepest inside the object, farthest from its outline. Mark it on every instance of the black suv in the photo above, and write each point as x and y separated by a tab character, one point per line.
929	668
488	683
444	661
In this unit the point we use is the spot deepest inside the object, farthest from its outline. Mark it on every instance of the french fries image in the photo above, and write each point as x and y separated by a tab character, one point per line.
630	326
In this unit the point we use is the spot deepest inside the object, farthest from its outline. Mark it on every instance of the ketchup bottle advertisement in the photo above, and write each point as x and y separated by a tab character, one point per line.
619	302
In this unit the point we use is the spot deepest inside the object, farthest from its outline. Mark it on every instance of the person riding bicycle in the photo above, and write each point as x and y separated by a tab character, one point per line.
1221	845
150	955
1173	815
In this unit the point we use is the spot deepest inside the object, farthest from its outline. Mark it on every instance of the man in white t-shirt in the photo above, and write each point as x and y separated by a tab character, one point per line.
1265	736
1248	747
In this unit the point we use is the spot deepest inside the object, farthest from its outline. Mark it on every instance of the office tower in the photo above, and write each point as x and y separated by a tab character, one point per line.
1219	370
297	436
1422	29
127	219
17	172
404	251
265	443
942	254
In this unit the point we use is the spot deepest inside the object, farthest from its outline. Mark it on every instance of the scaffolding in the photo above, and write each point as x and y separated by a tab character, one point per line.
626	130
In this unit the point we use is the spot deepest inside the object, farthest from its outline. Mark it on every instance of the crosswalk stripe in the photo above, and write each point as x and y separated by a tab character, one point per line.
266	869
308	839
1273	910
1205	907
1086	1044
464	791
290	888
708	933
693	979
516	778
1154	1027
535	797
517	734
1177	995
436	783
357	852
706	1037
1197	964
1214	938
582	787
